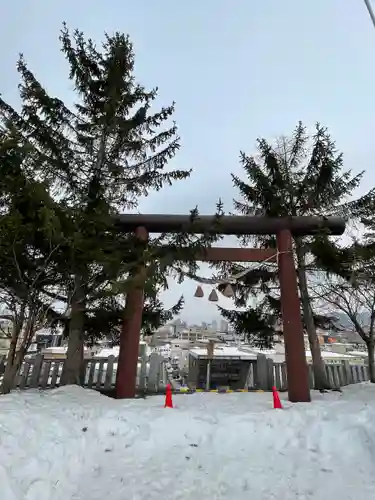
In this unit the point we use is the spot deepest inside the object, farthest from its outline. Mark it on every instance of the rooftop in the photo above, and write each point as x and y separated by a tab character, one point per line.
248	353
224	352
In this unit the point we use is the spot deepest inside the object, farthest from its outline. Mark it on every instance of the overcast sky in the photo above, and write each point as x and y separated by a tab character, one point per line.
237	70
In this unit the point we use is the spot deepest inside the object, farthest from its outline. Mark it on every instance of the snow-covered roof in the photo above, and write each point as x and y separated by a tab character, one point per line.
55	350
255	350
250	353
358	353
111	351
224	352
330	354
108	351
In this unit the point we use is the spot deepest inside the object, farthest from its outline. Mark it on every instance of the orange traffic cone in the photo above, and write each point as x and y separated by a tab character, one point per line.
276	399
168	397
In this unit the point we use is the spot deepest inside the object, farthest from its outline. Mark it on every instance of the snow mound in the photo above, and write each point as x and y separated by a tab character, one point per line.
72	443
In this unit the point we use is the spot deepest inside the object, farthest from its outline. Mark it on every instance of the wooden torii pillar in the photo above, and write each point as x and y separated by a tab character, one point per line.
296	365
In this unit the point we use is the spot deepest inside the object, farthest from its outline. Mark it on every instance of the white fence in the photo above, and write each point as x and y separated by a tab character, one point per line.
271	374
98	373
153	374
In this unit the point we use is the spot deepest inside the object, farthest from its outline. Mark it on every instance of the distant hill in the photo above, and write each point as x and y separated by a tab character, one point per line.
345	322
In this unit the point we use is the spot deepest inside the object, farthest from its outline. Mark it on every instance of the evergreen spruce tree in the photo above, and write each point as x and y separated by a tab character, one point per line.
30	235
105	316
296	177
97	157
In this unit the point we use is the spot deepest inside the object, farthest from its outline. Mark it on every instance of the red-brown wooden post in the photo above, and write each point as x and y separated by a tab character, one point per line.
295	357
127	365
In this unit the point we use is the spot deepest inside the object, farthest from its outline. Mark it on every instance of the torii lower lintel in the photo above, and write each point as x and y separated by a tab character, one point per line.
223	254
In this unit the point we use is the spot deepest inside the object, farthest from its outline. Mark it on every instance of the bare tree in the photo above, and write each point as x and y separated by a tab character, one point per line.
356	299
26	316
27	309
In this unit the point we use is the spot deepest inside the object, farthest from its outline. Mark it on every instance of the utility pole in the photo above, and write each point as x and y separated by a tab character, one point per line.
370	11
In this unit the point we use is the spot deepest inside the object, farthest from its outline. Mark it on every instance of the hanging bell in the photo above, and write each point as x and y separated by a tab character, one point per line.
213	296
228	291
199	292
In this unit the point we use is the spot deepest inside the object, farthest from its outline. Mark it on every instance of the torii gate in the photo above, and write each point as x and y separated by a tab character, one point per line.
284	228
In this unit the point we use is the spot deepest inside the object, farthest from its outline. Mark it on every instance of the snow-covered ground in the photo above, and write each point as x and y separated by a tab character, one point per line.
74	444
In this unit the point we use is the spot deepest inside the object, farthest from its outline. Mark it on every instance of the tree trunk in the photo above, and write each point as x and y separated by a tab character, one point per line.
9	375
11	372
74	356
320	376
7	383
371	360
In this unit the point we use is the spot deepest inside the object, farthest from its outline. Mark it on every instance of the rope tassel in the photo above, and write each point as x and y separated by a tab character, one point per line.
213	296
228	291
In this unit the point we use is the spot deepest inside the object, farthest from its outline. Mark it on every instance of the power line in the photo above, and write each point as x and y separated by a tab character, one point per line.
370	11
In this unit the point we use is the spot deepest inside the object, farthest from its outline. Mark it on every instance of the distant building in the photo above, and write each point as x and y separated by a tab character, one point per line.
178	325
54	353
5	330
191	334
350	336
165	332
44	339
230	367
224	326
